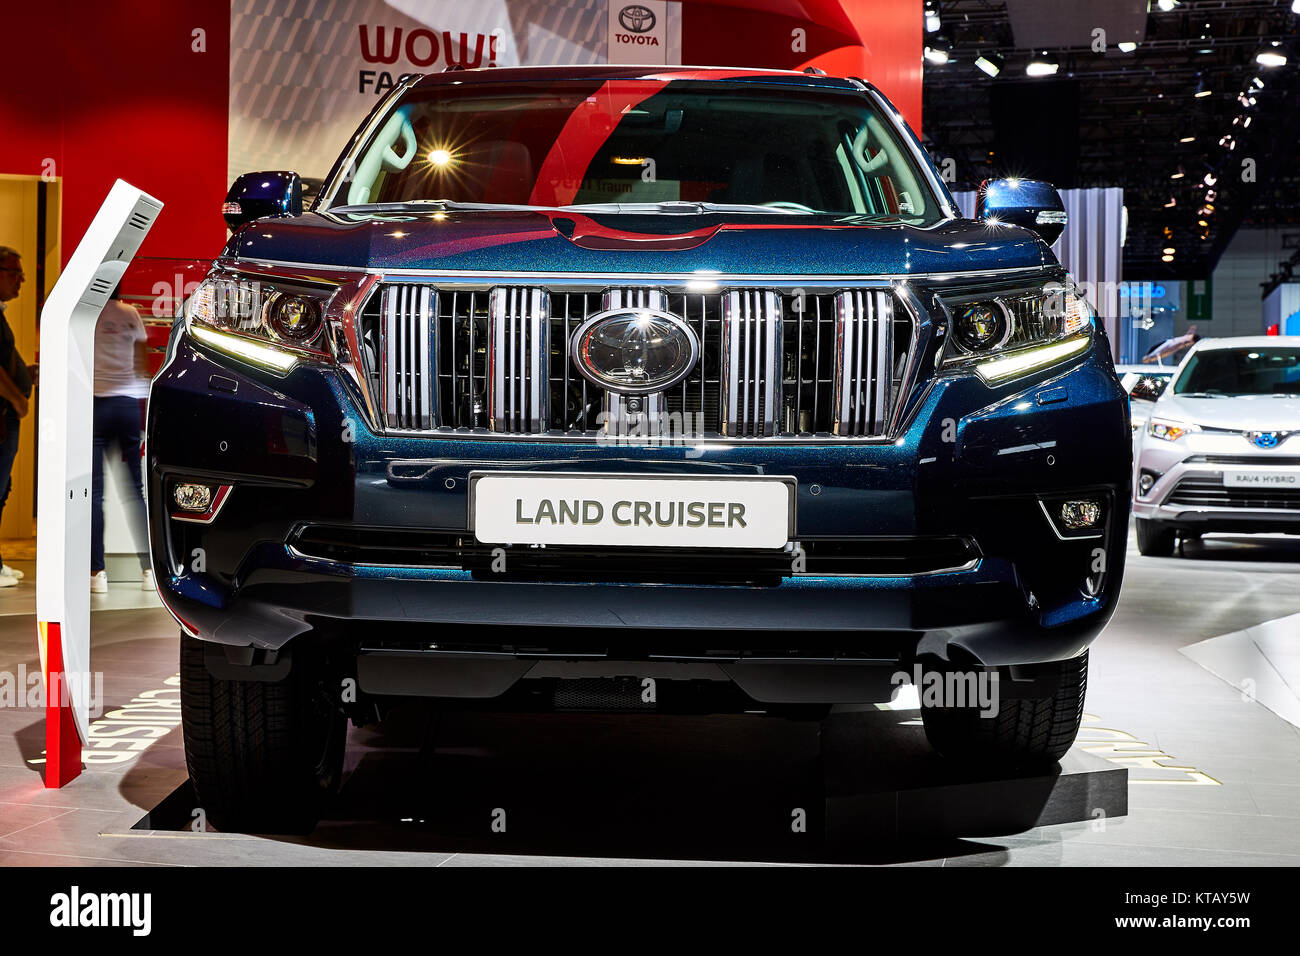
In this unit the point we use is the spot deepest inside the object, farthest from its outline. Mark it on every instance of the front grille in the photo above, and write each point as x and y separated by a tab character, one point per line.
1249	460
774	362
1203	491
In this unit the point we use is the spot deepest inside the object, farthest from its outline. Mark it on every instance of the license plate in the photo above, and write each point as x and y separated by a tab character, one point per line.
1261	479
632	511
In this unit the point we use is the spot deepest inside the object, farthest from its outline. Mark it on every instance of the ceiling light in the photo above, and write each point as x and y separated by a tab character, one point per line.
1166	258
1271	58
1171	203
1200	93
1209	179
1249	118
1295	6
936	55
1259	84
1203	224
1168	250
1127	46
1166	5
1042	65
932	22
1178	175
1188	139
990	63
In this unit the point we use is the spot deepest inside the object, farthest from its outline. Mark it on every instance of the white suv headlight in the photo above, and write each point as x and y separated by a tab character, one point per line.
1170	430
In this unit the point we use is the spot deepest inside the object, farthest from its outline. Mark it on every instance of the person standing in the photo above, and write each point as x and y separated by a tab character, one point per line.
16	380
121	380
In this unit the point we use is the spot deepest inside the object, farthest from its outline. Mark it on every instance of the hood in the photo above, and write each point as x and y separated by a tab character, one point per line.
1240	413
559	241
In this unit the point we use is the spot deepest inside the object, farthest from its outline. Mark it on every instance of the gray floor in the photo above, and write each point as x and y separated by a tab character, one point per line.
1190	690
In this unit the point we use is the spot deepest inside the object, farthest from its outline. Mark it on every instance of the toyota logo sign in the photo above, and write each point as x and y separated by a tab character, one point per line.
636	18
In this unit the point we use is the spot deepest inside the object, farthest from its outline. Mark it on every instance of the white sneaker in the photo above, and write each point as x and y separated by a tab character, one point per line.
99	582
146	581
8	580
12	572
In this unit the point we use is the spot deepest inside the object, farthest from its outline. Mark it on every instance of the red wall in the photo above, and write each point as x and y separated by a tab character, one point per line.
115	91
110	90
877	40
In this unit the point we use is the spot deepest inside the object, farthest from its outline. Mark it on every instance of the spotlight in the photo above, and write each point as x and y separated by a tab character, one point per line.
937	52
1210	179
1042	65
1127	46
1271	58
1178	175
932	22
439	157
1166	258
1259	84
990	63
1188	139
1166	5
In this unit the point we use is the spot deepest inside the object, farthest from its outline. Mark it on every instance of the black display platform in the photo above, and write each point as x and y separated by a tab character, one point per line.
860	787
898	791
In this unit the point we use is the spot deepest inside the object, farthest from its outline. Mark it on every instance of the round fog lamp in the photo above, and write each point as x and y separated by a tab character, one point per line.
295	318
980	326
192	497
1078	515
1145	483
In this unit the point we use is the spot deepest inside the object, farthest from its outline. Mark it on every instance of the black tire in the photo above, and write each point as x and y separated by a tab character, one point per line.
1025	731
1155	539
262	756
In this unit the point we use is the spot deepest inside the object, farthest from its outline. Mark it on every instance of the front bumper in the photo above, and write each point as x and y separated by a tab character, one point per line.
972	463
1189	490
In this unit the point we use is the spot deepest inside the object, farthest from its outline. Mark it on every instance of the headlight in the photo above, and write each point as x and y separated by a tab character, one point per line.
1004	335
268	322
1169	430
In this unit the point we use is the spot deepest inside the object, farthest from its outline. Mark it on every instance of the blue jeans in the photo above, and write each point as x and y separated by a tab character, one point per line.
117	422
8	451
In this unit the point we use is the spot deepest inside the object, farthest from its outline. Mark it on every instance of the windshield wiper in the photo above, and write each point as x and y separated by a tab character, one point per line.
434	205
681	208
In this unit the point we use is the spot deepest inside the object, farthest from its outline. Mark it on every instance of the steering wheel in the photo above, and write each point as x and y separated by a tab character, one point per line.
796	206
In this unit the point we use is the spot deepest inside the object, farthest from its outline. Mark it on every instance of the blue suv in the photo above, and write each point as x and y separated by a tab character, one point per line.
603	388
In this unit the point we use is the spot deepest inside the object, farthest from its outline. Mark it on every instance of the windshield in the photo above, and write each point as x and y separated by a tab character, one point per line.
779	149
1267	370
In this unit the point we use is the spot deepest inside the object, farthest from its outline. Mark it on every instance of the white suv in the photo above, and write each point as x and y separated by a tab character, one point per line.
1221	450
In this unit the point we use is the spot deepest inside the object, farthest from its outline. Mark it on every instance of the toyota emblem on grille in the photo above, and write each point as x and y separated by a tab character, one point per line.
1266	439
636	18
635	351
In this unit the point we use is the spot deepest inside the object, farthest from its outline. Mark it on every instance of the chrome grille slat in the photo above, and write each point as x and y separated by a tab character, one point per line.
863	380
406	358
775	363
751	361
519	322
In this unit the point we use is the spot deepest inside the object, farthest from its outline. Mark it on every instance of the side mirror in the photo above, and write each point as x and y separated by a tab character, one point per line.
1031	203
258	195
1148	389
